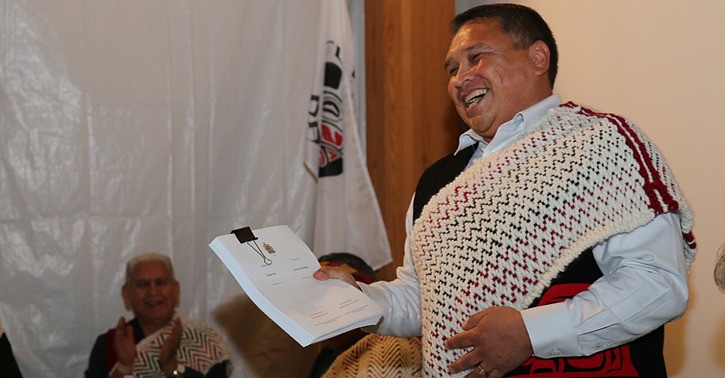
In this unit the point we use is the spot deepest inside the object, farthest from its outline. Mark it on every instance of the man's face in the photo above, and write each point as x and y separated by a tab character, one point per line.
490	80
151	294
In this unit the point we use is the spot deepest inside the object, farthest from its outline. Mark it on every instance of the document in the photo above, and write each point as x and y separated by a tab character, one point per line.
274	268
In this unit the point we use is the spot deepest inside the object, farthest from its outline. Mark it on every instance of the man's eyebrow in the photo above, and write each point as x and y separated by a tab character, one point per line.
476	46
468	49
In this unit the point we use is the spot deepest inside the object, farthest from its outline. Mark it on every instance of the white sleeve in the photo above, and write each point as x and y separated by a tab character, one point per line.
400	297
644	286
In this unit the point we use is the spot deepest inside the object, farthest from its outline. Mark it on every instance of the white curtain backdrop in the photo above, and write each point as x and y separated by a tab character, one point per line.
136	126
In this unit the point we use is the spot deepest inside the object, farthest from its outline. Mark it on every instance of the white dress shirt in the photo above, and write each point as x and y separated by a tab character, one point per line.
644	283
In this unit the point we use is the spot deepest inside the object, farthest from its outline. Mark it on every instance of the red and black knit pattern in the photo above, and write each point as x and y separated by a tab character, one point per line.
503	229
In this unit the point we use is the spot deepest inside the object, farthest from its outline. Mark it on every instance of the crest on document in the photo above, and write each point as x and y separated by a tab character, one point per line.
324	121
268	248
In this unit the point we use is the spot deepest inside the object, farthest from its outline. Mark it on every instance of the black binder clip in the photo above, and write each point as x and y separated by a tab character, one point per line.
246	236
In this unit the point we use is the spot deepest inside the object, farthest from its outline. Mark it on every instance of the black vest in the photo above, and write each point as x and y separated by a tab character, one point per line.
640	358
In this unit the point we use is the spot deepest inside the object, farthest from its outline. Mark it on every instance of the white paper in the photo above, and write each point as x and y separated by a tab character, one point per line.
307	309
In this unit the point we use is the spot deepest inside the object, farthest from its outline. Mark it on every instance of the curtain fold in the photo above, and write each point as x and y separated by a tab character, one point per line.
136	126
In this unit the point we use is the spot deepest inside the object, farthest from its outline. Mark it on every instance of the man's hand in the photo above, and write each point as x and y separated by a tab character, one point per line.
167	354
124	344
327	272
499	339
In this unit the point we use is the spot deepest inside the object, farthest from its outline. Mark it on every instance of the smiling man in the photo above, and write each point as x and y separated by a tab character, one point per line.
157	340
553	242
494	77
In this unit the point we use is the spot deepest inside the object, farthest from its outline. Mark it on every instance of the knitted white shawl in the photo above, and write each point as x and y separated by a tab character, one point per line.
505	227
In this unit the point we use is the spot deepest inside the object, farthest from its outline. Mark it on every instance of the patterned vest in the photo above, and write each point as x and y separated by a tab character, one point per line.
640	358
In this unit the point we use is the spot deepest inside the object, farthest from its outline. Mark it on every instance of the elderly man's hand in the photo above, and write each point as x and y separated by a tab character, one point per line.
167	354
499	339
327	272
123	343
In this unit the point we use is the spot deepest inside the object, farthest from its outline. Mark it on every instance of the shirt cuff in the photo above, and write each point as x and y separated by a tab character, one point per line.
551	331
399	319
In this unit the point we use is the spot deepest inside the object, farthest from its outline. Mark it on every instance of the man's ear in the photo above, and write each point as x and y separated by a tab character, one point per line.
126	300
177	294
540	56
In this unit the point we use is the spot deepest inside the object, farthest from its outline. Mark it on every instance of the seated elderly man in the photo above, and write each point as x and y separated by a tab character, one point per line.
158	340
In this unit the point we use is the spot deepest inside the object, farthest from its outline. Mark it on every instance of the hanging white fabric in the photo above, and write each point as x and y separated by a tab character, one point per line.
130	127
347	217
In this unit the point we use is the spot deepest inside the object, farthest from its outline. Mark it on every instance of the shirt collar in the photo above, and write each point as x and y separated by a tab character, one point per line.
524	121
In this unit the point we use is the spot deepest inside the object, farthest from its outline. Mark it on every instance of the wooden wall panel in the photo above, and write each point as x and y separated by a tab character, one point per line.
410	119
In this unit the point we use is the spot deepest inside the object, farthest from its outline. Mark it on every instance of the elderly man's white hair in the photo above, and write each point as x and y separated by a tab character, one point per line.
148	257
719	272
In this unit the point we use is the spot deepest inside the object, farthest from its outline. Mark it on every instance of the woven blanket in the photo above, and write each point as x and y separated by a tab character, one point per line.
376	356
201	348
505	227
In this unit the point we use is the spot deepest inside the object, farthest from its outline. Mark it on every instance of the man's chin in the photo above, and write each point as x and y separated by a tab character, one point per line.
158	317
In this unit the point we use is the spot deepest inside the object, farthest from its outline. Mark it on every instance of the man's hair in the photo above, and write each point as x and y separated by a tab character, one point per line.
148	257
524	25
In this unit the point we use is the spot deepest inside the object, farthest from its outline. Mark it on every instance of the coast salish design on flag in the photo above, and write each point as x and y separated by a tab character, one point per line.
347	216
325	116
